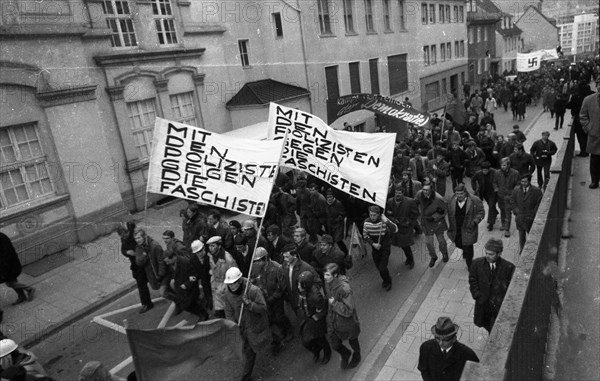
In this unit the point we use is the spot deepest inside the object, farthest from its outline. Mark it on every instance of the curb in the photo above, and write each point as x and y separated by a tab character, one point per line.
95	306
533	122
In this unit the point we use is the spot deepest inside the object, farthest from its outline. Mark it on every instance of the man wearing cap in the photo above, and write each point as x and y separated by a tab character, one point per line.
525	200
336	216
268	275
249	230
482	183
378	231
304	248
254	324
405	212
220	261
433	209
489	278
200	264
182	285
293	266
327	252
542	151
465	212
216	226
522	161
443	358
505	180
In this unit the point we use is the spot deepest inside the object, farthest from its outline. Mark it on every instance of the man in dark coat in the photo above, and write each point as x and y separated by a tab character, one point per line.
522	161
293	266
505	180
276	243
458	161
327	252
216	226
589	117
575	102
433	209
149	255
250	231
542	151
525	200
443	358
489	278
405	212
182	285
200	264
304	248
465	212
482	183
128	247
194	225
285	205
335	223
10	269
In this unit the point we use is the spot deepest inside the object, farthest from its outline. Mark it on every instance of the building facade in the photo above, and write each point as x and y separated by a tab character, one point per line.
579	34
538	32
483	58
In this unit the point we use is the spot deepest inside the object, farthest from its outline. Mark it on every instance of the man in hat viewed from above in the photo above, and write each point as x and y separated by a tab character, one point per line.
489	278
443	358
378	230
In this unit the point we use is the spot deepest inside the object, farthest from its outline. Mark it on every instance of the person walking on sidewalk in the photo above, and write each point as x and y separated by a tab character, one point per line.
589	117
482	183
542	151
10	269
128	249
378	231
525	200
489	278
505	180
433	208
575	103
342	318
465	212
313	311
560	107
443	358
405	211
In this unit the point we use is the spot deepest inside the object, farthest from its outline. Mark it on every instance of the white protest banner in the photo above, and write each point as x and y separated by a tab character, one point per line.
529	61
231	173
354	162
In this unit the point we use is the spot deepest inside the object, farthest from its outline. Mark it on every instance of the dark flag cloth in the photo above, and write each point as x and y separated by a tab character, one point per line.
171	353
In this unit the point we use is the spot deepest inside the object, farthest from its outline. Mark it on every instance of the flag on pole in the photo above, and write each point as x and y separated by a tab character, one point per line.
355	163
168	354
195	164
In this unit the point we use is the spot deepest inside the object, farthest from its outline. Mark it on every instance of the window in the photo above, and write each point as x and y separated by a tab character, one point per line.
433	54
462	48
374	72
461	14
486	64
448	51
278	25
431	13
442	14
369	15
442	52
424	16
244	57
432	91
448	15
348	21
354	68
444	87
386	15
456	51
24	172
324	19
426	59
478	34
398	73
471	38
402	20
118	20
182	107
480	66
141	120
485	33
164	22
331	79
456	13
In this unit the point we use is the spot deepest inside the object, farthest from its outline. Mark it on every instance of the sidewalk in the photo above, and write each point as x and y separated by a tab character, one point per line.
395	357
95	274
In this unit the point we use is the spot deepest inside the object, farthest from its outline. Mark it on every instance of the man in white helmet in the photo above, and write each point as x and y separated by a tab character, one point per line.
11	355
245	299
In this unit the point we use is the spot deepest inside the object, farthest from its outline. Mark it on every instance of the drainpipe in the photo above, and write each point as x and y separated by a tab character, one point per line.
299	10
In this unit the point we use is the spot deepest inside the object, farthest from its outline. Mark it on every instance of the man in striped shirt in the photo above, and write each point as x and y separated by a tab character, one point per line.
377	231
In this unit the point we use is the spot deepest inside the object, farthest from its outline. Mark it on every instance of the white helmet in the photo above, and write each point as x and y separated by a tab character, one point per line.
197	245
232	275
7	346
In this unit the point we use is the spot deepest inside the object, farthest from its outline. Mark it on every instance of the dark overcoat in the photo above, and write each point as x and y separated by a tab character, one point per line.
525	206
405	215
10	266
474	214
435	366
